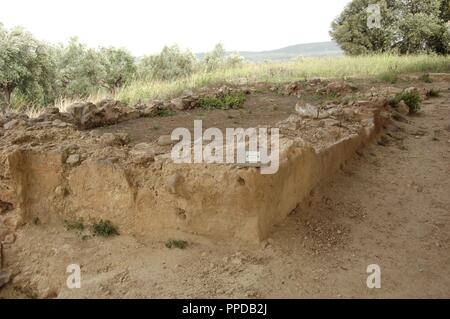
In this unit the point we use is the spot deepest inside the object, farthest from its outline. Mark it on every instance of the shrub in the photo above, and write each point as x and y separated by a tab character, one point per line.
164	111
104	228
180	244
411	98
225	102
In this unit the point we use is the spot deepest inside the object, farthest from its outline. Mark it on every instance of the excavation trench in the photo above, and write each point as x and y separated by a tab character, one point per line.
218	201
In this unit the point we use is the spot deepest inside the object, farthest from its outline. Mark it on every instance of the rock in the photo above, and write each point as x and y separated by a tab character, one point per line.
142	153
165	140
73	159
9	239
186	102
44	124
107	112
111	139
310	111
292	88
13	124
61	191
236	261
115	111
5	277
339	87
13	222
181	104
349	114
364	104
59	123
51	110
150	110
77	110
402	108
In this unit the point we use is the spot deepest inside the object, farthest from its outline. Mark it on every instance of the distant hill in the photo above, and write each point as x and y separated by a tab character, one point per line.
307	50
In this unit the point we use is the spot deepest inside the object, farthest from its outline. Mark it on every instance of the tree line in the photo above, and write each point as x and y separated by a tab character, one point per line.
35	72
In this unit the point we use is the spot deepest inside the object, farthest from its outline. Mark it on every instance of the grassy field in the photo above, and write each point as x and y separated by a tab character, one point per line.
382	67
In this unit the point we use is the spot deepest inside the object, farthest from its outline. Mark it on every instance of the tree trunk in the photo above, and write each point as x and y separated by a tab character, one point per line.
5	97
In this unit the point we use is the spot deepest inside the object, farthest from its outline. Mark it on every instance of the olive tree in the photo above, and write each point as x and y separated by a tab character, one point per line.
26	66
406	27
79	69
118	66
214	59
171	63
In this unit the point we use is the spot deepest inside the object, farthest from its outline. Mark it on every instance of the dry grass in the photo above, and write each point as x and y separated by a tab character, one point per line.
378	66
63	103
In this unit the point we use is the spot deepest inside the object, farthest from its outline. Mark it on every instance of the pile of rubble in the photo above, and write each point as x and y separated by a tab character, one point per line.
87	115
318	86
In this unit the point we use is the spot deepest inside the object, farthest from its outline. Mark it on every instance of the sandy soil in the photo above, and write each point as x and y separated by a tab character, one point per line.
389	206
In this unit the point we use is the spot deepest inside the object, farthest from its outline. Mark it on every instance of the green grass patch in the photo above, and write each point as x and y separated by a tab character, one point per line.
104	228
164	111
225	102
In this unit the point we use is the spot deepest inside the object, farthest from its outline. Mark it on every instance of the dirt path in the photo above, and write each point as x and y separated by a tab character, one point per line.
390	206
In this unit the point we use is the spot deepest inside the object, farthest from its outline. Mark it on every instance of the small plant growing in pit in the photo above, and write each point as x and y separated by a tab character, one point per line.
180	244
104	228
412	99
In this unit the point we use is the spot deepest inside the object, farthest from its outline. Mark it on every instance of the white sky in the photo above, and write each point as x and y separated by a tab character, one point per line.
145	26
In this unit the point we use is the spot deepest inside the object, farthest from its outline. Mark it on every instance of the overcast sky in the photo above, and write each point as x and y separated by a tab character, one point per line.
145	26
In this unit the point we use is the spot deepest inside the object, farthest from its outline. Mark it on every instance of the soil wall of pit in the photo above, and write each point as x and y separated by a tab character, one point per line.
220	201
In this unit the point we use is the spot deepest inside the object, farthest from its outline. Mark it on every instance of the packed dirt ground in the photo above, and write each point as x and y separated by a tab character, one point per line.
389	205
